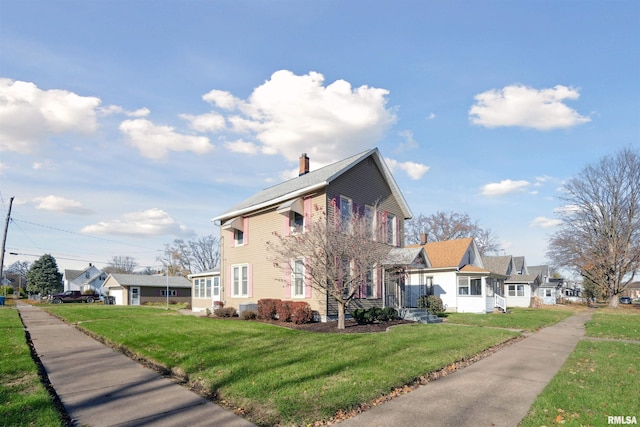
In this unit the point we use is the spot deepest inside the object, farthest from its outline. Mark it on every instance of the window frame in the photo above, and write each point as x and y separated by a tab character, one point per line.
346	213
471	286
238	237
516	290
172	292
391	230
240	282
298	272
296	222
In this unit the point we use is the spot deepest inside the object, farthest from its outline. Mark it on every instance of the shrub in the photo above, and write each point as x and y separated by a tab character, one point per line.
218	304
423	301
283	310
435	304
249	315
225	312
300	312
374	314
267	308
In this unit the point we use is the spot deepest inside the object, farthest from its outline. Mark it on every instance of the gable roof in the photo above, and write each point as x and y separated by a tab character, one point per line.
522	278
542	270
497	264
314	180
447	253
144	280
519	264
406	256
71	275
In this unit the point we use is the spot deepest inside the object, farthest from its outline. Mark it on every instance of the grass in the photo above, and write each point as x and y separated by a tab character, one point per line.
24	401
526	319
599	379
281	376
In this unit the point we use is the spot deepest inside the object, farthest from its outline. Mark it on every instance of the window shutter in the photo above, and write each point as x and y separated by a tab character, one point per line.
287	224
287	281
245	226
249	281
232	238
379	282
228	282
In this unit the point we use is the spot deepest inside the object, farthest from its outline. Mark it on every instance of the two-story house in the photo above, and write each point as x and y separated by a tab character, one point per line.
89	279
361	183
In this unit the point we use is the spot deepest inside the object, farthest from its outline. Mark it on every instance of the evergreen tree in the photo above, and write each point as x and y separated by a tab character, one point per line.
43	276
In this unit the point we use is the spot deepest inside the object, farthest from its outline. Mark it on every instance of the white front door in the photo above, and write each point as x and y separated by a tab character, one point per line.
215	291
134	296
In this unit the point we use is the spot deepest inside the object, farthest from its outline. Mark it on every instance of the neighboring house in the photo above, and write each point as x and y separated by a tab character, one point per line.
361	183
548	291
89	279
520	286
206	290
572	291
458	276
138	289
633	290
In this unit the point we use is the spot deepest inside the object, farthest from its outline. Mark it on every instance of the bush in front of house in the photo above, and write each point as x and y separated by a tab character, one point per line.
249	315
283	310
374	314
435	304
300	312
225	312
267	308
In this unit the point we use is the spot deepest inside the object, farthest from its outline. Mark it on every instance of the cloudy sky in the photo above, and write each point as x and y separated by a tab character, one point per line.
127	124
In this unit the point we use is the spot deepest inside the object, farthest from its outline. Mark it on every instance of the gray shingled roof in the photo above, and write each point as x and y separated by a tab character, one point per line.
497	264
315	179
518	262
521	278
72	274
144	280
404	256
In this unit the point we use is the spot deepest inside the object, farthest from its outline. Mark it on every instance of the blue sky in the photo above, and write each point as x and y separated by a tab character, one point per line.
127	124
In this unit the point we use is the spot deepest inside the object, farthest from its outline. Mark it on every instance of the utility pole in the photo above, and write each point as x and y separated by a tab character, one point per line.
4	241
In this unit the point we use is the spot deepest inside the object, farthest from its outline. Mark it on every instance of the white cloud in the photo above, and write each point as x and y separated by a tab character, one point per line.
209	122
544	222
116	109
504	187
46	165
242	147
518	105
152	222
414	170
155	141
431	116
60	204
291	114
409	141
28	114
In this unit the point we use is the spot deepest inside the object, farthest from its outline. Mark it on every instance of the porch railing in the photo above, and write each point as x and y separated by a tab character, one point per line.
500	302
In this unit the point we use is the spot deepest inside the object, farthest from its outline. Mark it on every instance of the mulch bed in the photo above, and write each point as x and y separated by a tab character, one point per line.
350	326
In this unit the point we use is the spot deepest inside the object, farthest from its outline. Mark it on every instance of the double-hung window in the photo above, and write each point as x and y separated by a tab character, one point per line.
516	290
240	280
296	222
346	213
216	287
370	285
469	286
238	237
391	229
297	279
370	220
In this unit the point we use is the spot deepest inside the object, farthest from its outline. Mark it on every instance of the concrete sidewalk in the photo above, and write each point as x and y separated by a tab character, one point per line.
101	387
496	391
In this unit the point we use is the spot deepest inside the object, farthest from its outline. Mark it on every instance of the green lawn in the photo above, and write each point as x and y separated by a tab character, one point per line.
599	379
23	399
279	375
526	319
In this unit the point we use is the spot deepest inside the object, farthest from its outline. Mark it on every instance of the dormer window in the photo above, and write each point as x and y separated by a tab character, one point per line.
238	227
238	237
296	222
293	210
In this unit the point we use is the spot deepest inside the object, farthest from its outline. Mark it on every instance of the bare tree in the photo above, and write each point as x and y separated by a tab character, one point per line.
600	234
121	264
336	258
205	253
193	256
442	226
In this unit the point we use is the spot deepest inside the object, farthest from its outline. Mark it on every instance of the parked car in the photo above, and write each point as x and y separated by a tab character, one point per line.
625	300
74	296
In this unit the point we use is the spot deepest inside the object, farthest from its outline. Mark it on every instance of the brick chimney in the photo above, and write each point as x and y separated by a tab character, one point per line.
304	164
423	238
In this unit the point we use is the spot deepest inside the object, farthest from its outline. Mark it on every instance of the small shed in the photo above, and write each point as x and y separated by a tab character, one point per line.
139	289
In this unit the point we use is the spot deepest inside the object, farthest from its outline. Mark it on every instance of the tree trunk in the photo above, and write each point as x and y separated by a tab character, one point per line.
613	302
341	314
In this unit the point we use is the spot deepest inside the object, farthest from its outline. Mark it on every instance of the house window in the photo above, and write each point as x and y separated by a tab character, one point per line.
196	288
370	285
370	220
208	289
172	292
547	292
345	275
469	286
345	213
391	229
296	222
216	287
238	237
240	280
516	290
297	279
